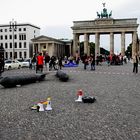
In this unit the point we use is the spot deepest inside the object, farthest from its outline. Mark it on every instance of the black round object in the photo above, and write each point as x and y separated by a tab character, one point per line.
62	76
88	99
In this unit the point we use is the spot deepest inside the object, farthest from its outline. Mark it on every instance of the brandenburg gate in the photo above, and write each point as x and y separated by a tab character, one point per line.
105	24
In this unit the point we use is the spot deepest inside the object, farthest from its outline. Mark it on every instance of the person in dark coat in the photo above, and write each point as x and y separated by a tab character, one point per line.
92	62
52	63
85	61
60	62
47	60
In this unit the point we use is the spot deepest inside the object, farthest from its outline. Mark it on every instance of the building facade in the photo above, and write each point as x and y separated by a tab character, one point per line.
54	47
17	42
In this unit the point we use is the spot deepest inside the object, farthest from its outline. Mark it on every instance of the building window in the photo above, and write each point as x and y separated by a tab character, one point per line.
25	54
24	44
6	37
6	55
20	45
15	45
24	29
34	31
5	30
15	55
1	44
20	54
1	37
1	30
6	45
19	37
44	47
10	54
10	45
22	37
10	36
19	29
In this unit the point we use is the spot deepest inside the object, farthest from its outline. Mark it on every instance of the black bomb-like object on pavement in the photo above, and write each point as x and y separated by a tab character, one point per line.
13	81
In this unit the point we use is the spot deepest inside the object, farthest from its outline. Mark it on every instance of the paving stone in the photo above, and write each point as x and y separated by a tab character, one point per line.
114	116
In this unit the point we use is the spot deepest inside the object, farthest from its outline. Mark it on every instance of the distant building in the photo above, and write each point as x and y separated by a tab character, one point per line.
54	47
22	40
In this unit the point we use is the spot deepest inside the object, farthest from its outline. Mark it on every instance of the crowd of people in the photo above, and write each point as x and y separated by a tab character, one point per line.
40	61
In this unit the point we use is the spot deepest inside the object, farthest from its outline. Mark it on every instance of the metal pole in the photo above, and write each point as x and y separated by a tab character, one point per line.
13	28
13	42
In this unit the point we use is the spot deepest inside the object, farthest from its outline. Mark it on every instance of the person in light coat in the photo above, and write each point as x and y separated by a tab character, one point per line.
135	63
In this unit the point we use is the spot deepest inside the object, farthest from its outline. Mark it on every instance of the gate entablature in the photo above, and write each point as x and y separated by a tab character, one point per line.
105	25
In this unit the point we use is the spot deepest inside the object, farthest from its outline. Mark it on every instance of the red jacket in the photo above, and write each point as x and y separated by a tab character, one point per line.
40	60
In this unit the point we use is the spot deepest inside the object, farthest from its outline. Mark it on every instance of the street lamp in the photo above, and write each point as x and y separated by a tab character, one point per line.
13	27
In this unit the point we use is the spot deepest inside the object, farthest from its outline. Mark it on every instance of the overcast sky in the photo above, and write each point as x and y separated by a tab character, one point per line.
55	17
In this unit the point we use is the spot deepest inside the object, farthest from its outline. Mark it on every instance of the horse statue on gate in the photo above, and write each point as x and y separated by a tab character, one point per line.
98	15
110	14
104	13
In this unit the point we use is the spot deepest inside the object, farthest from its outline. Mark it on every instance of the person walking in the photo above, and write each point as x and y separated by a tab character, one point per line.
52	63
40	62
135	63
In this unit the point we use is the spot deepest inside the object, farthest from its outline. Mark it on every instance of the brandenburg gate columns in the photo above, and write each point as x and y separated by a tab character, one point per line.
123	43
111	43
86	43
97	43
75	43
134	43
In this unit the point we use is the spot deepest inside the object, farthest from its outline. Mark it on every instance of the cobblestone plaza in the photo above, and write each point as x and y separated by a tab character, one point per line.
114	116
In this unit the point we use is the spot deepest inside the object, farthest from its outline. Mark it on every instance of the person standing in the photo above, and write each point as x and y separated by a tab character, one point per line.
52	63
85	61
34	61
60	63
40	62
92	62
135	63
47	59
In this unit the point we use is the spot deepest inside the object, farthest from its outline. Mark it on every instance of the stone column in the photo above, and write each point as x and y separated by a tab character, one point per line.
139	47
47	49
39	48
70	50
85	44
97	43
75	43
33	49
123	43
53	49
111	43
88	48
134	43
